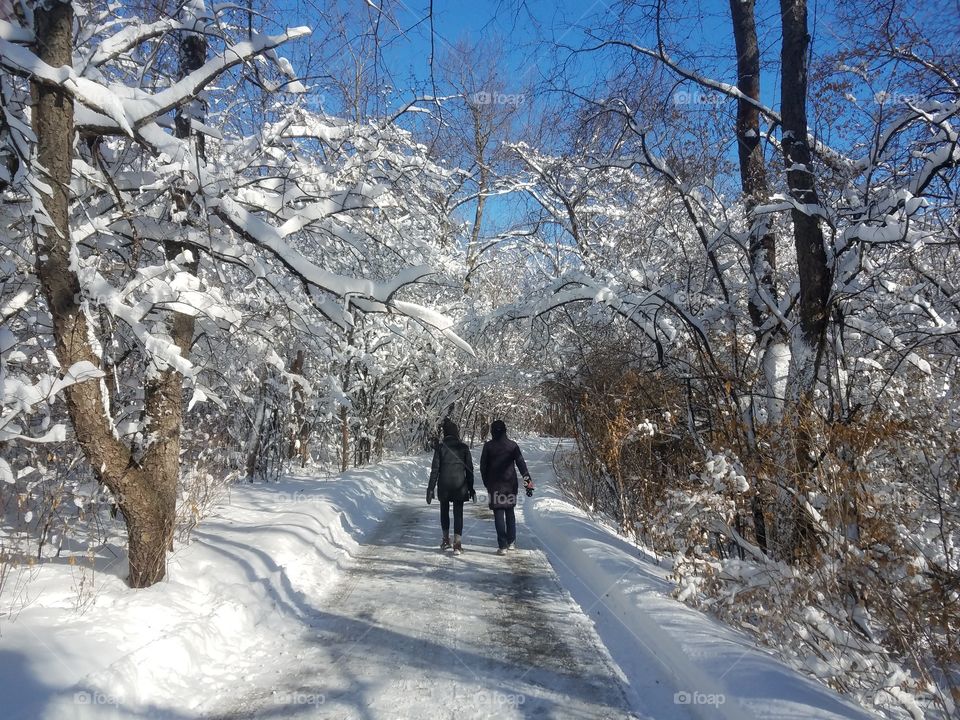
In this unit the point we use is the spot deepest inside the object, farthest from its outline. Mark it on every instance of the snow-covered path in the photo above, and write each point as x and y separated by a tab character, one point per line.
411	632
329	598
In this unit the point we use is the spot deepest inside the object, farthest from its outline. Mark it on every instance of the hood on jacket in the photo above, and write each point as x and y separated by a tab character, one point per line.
450	429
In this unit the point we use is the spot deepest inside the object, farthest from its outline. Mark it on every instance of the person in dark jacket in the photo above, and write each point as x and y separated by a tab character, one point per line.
451	481
499	461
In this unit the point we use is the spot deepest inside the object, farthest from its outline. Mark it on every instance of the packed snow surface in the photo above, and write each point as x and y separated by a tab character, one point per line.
328	597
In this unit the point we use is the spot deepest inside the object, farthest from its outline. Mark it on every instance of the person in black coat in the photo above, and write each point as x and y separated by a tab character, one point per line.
451	481
499	461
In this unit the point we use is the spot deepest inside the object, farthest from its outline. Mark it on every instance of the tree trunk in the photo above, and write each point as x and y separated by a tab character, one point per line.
381	430
791	524
163	392
480	139
148	527
299	429
815	277
344	439
256	432
344	414
753	175
111	460
756	192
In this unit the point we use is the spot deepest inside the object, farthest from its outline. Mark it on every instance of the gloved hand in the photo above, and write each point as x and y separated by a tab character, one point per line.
472	495
429	496
528	485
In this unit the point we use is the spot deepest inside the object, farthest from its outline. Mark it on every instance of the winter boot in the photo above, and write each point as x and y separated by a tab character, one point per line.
457	546
445	543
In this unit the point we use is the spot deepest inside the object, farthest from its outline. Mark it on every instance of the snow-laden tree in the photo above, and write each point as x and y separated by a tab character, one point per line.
155	232
849	250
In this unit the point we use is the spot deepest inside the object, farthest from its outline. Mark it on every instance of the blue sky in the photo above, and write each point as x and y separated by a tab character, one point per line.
528	32
522	33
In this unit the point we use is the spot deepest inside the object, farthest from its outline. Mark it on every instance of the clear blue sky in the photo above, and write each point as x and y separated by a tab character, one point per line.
523	33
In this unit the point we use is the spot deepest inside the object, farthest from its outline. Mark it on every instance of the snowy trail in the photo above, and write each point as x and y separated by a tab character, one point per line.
411	632
328	598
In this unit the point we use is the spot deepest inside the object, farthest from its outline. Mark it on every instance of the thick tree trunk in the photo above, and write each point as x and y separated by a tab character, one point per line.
87	405
147	531
792	528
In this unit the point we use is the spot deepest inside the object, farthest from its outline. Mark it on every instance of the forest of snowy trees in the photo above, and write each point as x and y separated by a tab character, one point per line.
718	245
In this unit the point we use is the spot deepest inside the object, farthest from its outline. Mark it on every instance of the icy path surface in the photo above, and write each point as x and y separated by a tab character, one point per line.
327	597
410	632
414	633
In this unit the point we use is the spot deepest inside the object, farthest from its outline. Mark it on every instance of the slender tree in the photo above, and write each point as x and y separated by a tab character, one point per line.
163	391
807	342
756	192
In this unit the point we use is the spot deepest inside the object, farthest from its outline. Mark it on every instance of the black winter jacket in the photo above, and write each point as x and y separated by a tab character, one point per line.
451	473
498	473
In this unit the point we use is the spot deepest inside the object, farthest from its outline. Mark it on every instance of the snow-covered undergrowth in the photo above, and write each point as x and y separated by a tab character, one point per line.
851	619
250	573
699	661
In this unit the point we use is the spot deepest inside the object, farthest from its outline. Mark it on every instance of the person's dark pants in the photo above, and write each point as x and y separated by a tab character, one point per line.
457	517
506	521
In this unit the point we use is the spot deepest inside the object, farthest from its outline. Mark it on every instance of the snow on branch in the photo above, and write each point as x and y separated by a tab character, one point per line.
20	397
129	38
14	33
355	290
265	235
121	109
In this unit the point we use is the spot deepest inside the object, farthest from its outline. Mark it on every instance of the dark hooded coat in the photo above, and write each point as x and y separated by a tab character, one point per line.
451	472
499	461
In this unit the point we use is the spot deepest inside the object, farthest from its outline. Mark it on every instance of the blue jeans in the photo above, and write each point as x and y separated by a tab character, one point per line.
506	521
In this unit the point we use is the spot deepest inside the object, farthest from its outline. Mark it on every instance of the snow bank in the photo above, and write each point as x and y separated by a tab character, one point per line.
707	667
250	574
